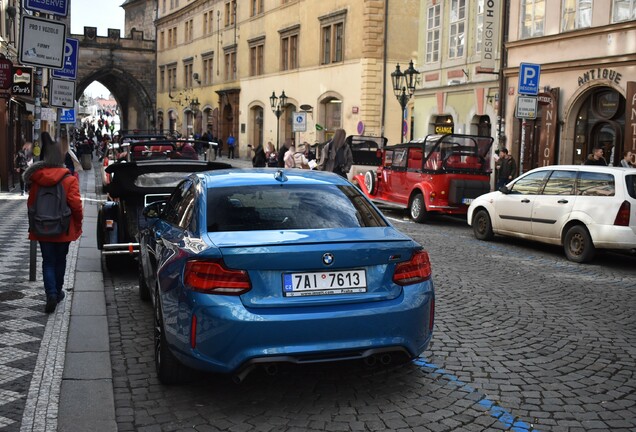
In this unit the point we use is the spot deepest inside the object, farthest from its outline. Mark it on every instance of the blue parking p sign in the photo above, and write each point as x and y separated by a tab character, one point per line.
529	78
69	68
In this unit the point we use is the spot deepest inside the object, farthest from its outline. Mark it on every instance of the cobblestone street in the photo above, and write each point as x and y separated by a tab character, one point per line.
524	340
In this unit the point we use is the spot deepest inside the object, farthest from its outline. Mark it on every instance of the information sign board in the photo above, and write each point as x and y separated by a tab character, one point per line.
300	122
42	42
526	107
62	93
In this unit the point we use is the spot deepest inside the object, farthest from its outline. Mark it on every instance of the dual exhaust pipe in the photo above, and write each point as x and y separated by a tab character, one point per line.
271	369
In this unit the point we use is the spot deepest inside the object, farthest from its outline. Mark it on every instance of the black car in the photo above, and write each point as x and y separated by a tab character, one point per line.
134	183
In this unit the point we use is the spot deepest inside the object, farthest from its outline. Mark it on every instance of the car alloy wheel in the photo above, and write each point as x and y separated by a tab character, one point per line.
418	208
169	369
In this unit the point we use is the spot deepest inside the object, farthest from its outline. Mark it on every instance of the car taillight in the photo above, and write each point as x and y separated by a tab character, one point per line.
416	270
212	277
622	217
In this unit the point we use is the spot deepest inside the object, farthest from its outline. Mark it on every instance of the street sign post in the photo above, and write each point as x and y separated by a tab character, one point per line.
67	116
529	78
300	122
57	7
526	107
69	69
62	93
42	42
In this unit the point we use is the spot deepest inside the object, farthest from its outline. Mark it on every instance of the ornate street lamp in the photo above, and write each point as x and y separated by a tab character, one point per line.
403	88
278	105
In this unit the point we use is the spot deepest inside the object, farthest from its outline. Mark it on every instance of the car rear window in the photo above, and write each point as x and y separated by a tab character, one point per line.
287	207
630	181
596	184
161	179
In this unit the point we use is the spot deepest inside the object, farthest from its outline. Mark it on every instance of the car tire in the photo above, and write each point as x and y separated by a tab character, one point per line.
417	208
370	182
578	244
144	291
169	370
482	225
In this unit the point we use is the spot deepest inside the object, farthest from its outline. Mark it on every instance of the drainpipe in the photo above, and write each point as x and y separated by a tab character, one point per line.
503	63
386	37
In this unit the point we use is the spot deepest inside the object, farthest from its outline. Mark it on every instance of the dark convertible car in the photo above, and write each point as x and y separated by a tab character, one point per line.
135	183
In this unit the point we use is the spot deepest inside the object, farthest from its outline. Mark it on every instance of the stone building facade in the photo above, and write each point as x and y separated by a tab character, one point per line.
332	59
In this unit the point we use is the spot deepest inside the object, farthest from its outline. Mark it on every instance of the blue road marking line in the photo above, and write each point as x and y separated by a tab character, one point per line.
494	410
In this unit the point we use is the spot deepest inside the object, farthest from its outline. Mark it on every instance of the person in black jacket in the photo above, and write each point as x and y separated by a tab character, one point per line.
596	158
259	159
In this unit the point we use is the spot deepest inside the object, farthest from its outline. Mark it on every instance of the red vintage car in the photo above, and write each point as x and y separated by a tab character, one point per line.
440	174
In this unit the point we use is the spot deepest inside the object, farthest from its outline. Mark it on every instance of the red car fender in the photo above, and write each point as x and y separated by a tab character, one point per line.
425	189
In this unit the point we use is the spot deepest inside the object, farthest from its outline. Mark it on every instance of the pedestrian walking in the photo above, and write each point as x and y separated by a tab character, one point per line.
23	160
336	155
230	146
596	158
259	160
281	152
270	155
507	168
45	174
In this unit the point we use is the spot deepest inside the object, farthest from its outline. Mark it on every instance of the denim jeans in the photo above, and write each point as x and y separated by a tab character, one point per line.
53	266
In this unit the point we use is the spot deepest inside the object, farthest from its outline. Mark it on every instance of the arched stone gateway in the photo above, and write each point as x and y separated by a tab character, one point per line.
126	67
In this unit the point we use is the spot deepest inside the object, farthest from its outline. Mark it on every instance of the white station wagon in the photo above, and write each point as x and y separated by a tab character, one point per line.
581	207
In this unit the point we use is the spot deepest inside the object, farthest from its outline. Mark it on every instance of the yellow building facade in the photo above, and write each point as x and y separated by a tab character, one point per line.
459	58
219	62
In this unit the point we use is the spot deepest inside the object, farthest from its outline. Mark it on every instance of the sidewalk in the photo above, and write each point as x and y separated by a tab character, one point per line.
86	399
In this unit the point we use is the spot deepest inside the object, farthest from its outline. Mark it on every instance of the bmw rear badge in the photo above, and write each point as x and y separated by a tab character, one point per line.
327	259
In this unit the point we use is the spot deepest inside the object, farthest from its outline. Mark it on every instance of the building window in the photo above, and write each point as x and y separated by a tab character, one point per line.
289	49
479	21
230	64
257	48
457	37
332	38
162	41
172	76
172	37
257	7
163	6
188	29
208	22
623	10
577	14
162	79
432	33
532	18
187	74
208	69
230	13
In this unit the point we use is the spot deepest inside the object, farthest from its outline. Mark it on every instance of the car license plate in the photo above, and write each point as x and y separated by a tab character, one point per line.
322	283
467	200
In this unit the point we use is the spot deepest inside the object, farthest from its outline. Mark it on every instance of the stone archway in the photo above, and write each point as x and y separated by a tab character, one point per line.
125	66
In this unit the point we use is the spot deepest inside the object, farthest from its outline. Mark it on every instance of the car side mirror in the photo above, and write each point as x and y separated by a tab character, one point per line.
153	210
504	190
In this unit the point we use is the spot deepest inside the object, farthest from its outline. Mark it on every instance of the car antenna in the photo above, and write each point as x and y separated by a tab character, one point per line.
280	176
